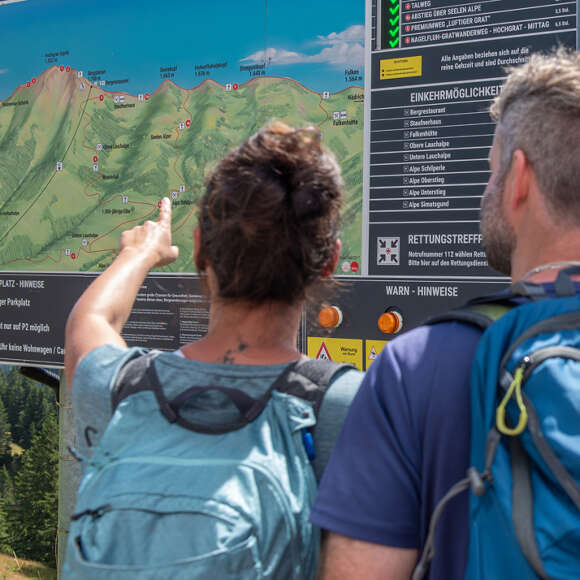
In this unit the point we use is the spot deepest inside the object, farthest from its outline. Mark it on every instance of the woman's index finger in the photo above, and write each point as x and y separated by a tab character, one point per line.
164	212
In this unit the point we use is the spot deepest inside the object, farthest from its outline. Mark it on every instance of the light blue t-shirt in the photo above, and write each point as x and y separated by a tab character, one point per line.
97	371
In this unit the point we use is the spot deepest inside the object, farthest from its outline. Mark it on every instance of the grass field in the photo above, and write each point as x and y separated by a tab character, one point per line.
13	568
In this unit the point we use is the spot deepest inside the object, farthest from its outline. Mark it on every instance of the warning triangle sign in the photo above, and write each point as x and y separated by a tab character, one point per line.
323	353
373	354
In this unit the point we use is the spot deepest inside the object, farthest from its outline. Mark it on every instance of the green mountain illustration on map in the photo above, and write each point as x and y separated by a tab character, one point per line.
78	164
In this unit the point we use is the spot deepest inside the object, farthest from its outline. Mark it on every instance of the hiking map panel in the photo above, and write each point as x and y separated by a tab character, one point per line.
106	107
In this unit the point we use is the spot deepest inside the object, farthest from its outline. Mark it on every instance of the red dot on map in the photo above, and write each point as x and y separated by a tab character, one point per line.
95	158
407	6
188	123
159	204
73	256
407	28
235	86
61	68
146	96
407	17
68	69
354	267
33	80
28	84
101	98
407	40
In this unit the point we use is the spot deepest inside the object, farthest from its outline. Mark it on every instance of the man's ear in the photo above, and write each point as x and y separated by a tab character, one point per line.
520	180
197	258
331	266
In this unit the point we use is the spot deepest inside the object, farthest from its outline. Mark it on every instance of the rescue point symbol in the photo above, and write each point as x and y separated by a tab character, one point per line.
388	251
323	353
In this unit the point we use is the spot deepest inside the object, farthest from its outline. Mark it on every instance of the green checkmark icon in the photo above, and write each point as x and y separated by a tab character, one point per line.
394	9
394	31
394	42
394	21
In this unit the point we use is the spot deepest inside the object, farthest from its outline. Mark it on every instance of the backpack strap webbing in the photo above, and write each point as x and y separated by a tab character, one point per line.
523	506
481	315
133	378
308	379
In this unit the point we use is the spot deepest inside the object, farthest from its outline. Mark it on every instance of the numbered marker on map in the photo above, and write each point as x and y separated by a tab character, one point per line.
228	87
121	98
79	74
174	195
27	84
68	69
61	68
84	243
59	165
101	83
235	86
125	199
343	115
188	123
116	99
146	96
33	81
82	86
73	256
140	97
326	95
95	158
67	251
181	126
181	188
99	146
96	167
336	116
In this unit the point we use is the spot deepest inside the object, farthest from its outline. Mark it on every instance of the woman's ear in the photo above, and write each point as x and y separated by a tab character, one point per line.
333	262
197	256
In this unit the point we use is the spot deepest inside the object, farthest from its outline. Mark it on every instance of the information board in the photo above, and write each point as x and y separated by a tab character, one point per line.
435	66
105	107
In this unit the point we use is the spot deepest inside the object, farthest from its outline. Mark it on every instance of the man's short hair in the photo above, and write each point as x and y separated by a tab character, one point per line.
538	111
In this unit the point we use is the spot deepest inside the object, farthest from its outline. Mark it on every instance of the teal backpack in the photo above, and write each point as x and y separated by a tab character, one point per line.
165	496
524	479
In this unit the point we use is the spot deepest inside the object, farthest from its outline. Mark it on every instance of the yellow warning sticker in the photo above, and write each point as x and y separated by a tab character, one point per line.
373	349
400	68
342	350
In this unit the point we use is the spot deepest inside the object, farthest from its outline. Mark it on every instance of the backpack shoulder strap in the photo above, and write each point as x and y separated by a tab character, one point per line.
308	379
481	312
133	377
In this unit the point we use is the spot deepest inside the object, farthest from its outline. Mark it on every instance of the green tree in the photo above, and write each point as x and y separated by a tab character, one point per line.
5	439
13	395
33	521
39	403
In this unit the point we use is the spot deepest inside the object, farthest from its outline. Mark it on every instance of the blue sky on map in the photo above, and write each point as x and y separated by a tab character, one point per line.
312	42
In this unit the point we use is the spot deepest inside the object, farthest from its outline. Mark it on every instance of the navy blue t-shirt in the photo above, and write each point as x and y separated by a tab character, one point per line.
404	443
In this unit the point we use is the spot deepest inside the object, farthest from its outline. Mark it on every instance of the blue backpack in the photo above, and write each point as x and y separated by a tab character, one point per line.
524	511
166	497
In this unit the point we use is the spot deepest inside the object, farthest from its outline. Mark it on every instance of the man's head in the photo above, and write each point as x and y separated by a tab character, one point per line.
538	113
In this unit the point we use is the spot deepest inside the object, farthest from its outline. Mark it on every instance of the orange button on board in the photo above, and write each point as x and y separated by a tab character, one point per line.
390	322
330	317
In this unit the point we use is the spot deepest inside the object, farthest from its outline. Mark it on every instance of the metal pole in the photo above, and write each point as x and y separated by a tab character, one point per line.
69	470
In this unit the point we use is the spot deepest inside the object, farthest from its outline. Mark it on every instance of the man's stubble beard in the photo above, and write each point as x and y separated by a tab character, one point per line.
499	239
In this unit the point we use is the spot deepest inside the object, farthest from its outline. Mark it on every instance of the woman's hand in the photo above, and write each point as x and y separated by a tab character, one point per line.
103	308
152	240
